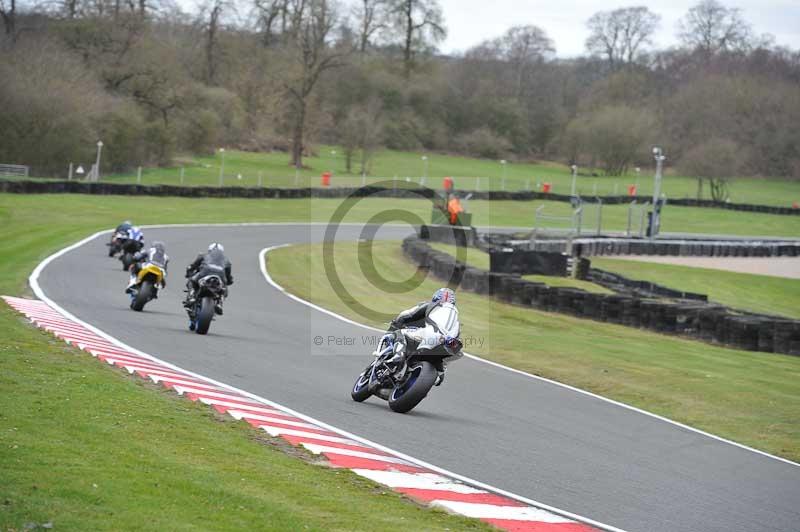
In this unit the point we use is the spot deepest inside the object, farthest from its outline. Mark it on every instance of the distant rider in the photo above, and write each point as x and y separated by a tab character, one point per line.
119	234
155	254
213	261
409	325
136	236
123	227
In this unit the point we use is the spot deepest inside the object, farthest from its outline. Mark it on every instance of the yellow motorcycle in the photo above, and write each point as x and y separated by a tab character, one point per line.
149	279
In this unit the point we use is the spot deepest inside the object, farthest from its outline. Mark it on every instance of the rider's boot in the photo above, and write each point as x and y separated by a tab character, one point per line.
399	349
189	301
440	377
131	284
218	308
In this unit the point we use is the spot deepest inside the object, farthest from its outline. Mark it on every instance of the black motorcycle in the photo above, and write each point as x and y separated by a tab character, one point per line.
402	384
128	248
115	245
207	298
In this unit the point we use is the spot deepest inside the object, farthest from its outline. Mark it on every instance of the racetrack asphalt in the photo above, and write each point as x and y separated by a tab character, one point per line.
527	436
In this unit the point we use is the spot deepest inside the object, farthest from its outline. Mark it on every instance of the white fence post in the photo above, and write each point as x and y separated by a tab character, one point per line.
69	175
139	176
182	175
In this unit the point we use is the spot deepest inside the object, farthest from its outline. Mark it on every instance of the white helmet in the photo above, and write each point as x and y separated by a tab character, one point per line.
215	245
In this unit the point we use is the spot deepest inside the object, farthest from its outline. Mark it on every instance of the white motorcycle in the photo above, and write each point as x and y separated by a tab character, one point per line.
403	384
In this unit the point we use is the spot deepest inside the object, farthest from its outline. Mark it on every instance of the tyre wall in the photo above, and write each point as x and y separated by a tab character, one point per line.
711	323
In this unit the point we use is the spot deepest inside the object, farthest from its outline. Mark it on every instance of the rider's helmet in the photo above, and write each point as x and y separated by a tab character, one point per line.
215	245
444	295
159	246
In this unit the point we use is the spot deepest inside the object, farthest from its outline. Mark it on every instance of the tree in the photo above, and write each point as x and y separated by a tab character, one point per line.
612	135
521	48
311	54
269	13
212	14
8	12
361	131
716	160
620	35
371	16
421	24
711	27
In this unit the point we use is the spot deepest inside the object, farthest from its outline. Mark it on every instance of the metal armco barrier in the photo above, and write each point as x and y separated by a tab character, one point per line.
711	323
588	247
14	170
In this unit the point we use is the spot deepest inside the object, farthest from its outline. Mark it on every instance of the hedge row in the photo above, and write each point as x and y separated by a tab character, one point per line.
33	186
587	247
702	321
79	187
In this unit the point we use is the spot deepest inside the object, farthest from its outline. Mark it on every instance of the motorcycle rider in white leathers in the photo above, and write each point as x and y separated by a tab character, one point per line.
427	325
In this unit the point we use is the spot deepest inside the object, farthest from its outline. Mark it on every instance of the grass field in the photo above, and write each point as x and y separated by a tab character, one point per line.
478	259
275	171
65	210
753	398
84	447
756	293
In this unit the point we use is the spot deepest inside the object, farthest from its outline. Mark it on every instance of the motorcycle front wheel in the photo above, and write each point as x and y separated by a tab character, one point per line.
414	388
205	315
360	391
144	295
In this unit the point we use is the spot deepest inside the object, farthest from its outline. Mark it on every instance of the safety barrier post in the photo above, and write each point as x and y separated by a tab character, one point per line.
630	215
599	215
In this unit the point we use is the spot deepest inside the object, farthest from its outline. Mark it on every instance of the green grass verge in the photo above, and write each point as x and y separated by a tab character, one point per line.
73	212
275	171
752	398
85	447
478	259
756	293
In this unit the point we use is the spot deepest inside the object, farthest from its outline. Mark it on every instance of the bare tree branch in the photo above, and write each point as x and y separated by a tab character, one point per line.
620	35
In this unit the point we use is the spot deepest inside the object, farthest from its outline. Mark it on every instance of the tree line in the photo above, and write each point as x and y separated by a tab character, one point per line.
153	82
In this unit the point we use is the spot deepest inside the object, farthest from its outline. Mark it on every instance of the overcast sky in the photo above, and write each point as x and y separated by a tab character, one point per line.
471	21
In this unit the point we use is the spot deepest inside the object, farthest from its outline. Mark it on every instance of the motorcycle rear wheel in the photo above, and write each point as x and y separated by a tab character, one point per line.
144	294
205	315
414	389
127	260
